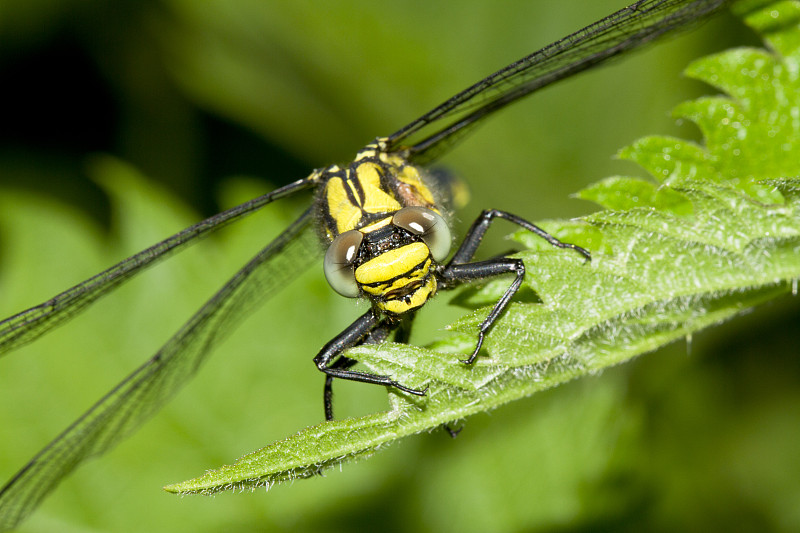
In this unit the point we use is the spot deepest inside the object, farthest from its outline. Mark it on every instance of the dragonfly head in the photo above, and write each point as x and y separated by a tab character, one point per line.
392	261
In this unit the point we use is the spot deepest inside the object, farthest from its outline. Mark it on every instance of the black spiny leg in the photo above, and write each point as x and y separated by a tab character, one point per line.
355	334
327	395
459	268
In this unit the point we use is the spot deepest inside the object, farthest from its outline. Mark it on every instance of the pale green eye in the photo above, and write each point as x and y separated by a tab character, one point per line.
428	225
338	265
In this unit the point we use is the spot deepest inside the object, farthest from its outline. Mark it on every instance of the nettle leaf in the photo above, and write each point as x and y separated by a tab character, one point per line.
716	233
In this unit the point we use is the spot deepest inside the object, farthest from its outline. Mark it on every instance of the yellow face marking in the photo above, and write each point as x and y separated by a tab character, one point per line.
379	289
416	299
392	263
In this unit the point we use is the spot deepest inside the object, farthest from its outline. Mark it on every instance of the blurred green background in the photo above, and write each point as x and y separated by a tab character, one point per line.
124	121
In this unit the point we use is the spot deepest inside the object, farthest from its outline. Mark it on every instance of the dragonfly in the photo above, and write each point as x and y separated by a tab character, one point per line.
388	241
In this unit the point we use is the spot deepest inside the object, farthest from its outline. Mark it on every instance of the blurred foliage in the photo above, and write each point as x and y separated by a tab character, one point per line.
194	93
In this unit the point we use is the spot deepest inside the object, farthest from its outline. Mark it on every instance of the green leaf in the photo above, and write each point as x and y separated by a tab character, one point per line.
717	234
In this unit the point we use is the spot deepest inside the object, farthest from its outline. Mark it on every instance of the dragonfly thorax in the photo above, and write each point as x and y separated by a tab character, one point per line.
375	185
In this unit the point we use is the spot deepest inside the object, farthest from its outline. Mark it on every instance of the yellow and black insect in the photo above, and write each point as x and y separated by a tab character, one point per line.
385	225
388	241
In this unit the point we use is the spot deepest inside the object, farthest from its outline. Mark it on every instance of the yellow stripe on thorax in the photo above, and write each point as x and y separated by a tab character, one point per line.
376	199
348	213
376	225
343	211
410	176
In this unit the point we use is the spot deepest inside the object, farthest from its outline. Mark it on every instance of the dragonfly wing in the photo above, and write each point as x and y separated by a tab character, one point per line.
30	324
147	389
642	22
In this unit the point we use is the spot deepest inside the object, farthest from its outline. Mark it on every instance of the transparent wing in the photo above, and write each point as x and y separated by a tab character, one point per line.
142	393
30	324
425	138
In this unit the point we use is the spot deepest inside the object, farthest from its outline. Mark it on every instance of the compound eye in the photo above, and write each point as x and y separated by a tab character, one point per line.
429	225
339	261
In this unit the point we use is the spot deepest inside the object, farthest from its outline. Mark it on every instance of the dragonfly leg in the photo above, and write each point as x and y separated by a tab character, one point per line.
333	367
478	229
460	268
